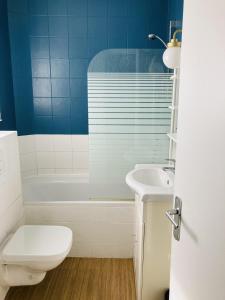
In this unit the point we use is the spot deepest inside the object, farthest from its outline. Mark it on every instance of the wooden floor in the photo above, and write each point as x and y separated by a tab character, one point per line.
83	279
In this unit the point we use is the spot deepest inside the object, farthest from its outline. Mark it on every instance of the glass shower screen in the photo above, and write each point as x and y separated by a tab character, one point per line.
129	94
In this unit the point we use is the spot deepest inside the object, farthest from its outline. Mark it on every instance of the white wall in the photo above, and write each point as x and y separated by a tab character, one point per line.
53	154
11	207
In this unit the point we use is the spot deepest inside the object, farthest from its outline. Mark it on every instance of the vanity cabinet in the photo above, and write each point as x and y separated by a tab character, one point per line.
152	247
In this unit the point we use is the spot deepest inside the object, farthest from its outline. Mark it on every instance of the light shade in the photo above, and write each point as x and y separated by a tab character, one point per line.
171	57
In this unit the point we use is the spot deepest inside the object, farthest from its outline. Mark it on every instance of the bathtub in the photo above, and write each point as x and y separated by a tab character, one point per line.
66	188
101	227
56	188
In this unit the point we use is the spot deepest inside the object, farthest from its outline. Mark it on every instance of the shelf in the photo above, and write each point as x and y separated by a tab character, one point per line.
172	107
172	136
173	77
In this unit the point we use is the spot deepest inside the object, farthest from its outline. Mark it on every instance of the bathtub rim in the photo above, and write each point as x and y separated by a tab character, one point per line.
38	177
84	177
69	203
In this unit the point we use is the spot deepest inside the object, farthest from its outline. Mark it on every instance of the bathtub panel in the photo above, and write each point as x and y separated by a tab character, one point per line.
100	250
100	229
112	212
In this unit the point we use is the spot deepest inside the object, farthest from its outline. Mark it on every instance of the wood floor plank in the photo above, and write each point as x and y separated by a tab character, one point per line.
83	279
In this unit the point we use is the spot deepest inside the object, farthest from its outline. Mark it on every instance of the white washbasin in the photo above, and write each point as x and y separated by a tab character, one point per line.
150	180
152	177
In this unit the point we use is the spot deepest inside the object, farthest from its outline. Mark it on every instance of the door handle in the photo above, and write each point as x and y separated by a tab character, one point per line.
174	216
170	213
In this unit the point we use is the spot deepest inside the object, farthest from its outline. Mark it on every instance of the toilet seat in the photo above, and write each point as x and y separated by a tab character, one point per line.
37	243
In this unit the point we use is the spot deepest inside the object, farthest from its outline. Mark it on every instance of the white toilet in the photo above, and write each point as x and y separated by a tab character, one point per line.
32	251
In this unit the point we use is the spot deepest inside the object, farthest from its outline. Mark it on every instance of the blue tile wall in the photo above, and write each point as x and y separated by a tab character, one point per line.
6	85
19	30
52	43
175	9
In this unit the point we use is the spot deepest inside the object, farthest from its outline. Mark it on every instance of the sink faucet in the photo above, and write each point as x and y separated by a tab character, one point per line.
172	168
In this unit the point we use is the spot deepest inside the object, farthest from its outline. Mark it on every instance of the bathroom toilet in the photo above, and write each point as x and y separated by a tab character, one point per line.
31	251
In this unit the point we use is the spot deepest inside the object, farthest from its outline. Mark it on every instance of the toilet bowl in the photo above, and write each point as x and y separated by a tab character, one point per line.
32	251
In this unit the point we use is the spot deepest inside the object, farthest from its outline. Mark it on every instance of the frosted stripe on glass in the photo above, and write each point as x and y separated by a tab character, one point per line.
128	121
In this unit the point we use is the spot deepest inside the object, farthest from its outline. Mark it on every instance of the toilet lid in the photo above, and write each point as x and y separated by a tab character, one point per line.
38	242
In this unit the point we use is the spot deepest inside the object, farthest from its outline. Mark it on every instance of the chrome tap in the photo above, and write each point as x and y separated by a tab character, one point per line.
170	168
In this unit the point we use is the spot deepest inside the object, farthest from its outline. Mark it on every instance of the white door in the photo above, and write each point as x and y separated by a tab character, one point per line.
198	260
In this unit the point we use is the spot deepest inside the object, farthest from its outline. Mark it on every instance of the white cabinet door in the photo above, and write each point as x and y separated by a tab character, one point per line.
138	248
157	245
198	260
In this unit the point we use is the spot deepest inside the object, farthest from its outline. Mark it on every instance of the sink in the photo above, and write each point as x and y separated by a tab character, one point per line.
150	180
152	177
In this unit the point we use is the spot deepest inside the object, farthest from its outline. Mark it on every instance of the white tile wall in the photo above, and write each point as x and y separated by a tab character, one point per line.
63	142
26	144
28	162
63	160
80	144
100	229
42	142
27	150
11	206
53	154
80	160
45	160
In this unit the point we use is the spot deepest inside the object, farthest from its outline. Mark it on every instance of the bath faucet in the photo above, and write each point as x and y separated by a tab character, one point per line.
172	168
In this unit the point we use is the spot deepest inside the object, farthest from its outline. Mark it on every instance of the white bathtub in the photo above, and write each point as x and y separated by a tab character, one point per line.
100	228
55	188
